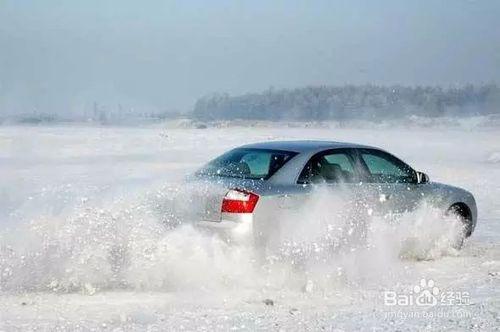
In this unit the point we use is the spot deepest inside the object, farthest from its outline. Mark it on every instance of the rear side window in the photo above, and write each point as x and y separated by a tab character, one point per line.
330	167
257	164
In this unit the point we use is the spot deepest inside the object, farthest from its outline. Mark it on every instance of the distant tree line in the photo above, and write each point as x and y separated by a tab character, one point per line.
99	114
370	102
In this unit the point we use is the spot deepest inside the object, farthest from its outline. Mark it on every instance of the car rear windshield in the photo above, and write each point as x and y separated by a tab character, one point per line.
258	164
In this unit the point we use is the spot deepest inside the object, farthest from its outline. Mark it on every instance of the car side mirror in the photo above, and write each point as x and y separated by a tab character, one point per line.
422	177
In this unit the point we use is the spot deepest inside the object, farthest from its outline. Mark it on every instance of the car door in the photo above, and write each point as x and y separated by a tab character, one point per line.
392	183
327	191
328	201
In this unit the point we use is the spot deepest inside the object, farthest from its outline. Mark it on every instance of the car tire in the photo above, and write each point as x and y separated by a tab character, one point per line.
460	214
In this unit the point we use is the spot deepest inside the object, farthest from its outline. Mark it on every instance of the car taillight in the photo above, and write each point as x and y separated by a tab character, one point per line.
239	201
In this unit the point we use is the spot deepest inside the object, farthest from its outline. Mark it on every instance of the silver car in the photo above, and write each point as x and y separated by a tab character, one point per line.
256	185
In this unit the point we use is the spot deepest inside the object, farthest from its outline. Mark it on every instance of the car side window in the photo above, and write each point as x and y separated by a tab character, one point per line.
334	167
384	168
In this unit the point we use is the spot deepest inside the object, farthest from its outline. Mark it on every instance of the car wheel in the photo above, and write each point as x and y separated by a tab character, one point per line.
459	213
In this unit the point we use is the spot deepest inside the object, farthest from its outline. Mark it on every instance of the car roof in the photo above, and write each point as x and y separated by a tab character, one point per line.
302	146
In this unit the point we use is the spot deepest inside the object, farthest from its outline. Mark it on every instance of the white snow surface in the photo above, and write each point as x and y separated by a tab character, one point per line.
83	245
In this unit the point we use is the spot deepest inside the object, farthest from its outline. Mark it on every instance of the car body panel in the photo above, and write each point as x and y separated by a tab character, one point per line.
282	198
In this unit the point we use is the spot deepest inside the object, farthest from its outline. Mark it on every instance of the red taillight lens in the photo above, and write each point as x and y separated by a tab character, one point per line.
239	201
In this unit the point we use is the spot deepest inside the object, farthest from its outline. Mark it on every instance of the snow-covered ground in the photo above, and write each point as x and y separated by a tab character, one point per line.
82	246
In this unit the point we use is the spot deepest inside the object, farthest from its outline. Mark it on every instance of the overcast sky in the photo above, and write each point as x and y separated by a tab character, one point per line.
63	55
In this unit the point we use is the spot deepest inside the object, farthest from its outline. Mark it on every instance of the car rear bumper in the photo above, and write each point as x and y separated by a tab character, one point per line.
237	229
